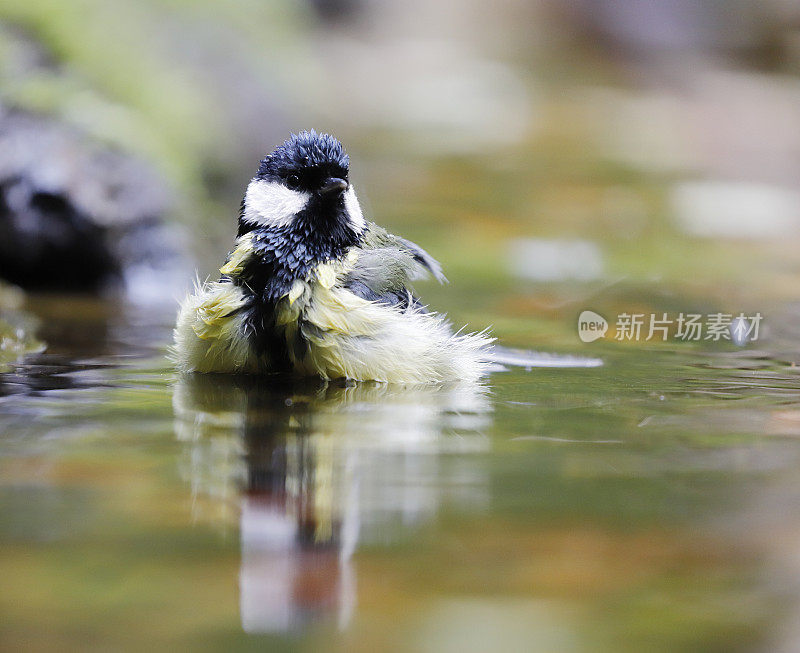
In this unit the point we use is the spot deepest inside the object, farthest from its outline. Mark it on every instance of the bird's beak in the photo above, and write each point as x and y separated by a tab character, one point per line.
333	185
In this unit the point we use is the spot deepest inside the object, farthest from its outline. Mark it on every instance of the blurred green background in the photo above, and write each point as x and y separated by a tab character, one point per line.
637	129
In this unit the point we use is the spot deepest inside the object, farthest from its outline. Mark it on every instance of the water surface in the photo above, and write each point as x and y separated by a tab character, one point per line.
645	504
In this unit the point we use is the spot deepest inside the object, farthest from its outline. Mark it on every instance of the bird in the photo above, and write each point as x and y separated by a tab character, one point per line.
312	288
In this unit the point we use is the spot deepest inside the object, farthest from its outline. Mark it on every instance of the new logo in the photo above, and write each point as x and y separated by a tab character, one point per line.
591	326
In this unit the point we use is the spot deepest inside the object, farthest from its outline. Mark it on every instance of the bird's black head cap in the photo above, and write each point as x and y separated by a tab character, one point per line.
305	159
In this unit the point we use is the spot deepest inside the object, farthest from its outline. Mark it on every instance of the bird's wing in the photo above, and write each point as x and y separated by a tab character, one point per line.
385	267
378	237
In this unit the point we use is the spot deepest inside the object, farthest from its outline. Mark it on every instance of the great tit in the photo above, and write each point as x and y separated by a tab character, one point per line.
314	289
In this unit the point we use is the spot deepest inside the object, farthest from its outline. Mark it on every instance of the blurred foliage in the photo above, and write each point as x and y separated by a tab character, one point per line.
461	139
151	78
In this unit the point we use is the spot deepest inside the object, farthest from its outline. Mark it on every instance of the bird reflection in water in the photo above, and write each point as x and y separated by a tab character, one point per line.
312	469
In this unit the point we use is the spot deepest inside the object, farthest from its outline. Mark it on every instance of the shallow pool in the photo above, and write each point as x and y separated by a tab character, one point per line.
646	504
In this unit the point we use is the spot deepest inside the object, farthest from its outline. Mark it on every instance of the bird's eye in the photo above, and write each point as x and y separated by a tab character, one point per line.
293	181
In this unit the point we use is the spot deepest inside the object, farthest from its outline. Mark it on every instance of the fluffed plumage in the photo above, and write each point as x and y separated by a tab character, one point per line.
314	289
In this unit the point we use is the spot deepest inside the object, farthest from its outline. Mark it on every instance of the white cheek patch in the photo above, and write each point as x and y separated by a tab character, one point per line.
269	203
355	219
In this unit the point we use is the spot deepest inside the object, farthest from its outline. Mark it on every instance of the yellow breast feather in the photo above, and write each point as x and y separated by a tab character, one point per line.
208	334
214	314
239	256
